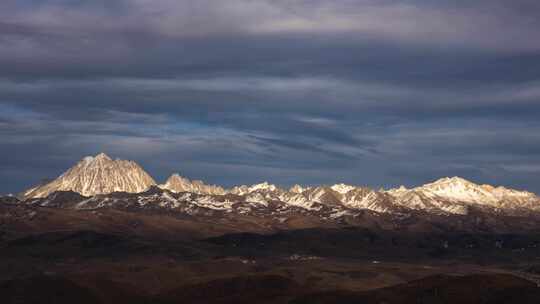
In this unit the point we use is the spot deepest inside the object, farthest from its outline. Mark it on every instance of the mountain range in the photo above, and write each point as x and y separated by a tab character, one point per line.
100	176
106	228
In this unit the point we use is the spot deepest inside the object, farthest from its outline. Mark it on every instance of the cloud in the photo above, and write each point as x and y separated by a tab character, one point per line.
491	24
238	100
365	92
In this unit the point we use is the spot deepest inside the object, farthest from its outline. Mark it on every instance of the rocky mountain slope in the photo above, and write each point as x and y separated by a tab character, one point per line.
97	175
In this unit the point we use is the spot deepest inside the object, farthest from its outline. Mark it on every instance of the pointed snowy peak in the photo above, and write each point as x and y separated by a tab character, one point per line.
462	190
261	187
458	189
175	177
297	189
397	191
450	185
97	175
177	183
102	156
460	183
342	188
455	181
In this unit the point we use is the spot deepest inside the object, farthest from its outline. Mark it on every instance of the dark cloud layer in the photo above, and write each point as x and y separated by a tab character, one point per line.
379	93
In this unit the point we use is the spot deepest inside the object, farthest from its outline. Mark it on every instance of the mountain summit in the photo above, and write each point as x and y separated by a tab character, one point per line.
177	183
97	175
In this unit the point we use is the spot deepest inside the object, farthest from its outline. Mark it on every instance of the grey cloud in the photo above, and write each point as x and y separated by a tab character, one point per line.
365	92
493	24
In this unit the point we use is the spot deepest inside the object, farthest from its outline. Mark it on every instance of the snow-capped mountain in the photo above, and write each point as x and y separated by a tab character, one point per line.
262	187
336	196
460	189
455	194
97	175
342	188
445	196
296	189
177	183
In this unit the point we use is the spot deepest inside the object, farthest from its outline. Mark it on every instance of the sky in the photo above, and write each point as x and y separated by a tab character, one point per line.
378	93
